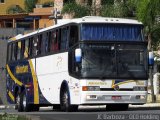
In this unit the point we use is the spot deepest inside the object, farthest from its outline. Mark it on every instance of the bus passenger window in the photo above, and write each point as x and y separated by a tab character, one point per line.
54	41
22	49
19	51
30	49
15	50
26	48
43	43
39	45
64	38
13	46
9	52
35	46
73	39
49	42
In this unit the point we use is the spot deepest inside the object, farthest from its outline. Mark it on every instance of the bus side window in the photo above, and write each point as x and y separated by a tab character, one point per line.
54	41
73	38
26	48
13	54
19	51
15	50
9	52
64	38
22	49
43	43
46	42
35	46
39	44
30	49
49	41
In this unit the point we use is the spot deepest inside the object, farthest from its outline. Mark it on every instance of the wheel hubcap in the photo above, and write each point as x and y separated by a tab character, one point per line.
24	101
18	100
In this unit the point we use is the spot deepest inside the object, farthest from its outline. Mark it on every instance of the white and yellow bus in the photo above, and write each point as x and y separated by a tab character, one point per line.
84	61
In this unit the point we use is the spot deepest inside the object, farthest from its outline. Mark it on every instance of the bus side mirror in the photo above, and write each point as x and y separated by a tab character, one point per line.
78	55
151	58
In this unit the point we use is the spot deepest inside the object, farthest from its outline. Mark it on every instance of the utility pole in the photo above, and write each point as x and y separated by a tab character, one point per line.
55	16
151	64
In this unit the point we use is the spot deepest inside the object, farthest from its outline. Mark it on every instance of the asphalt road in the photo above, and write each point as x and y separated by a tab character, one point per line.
93	113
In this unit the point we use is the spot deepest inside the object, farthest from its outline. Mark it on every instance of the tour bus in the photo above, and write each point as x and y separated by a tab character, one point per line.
83	61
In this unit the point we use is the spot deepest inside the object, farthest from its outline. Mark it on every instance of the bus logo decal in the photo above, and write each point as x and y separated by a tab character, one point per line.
21	69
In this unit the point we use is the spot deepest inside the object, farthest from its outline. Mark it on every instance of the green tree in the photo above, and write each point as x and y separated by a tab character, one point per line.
147	11
117	8
29	5
14	9
75	9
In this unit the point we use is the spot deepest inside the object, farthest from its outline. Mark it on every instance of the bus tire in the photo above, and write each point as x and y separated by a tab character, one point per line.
65	102
24	103
17	99
56	107
18	105
35	108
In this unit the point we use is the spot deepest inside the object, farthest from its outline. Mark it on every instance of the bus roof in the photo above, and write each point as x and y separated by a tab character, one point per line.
86	19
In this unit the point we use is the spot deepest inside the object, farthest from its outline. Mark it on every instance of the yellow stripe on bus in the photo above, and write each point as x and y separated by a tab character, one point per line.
11	96
128	81
113	82
35	84
12	76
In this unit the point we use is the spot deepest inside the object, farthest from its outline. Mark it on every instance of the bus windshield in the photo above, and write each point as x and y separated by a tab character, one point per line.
111	32
114	61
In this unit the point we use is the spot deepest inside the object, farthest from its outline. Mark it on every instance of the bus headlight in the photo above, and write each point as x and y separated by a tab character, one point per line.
139	88
90	88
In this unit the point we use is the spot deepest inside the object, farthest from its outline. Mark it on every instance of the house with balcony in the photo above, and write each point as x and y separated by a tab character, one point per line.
15	18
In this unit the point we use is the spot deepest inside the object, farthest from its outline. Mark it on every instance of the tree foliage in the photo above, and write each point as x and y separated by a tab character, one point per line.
29	5
147	11
112	10
14	9
76	9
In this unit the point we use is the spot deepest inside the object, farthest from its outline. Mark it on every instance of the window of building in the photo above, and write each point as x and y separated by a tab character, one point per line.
2	1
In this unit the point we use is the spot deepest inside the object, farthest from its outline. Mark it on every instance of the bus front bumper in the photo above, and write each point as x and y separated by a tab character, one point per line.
111	97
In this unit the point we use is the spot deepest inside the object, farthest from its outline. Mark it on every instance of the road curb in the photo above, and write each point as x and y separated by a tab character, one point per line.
3	107
6	107
146	105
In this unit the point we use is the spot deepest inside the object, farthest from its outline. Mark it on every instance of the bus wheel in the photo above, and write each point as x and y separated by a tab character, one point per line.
117	107
17	99
18	105
35	108
56	107
65	102
23	101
